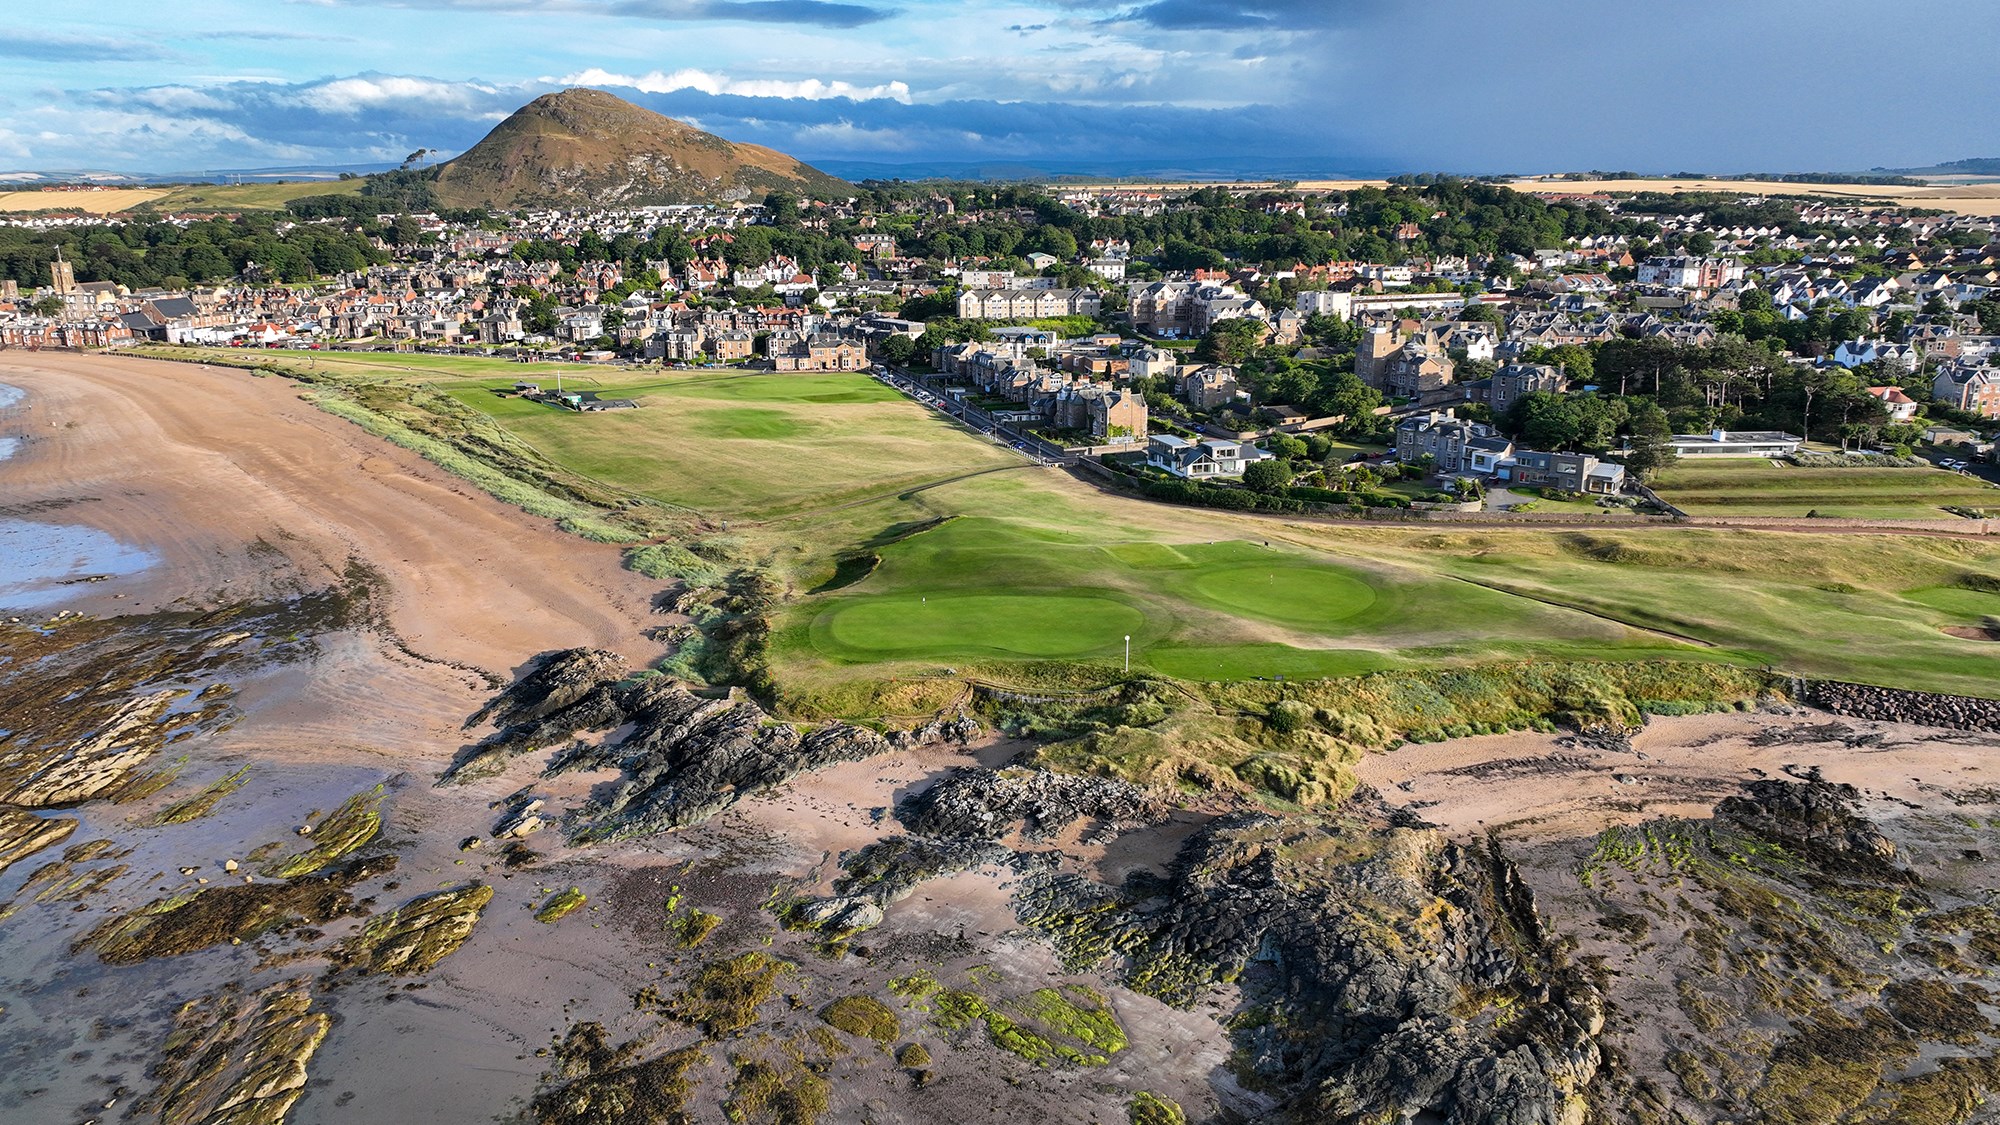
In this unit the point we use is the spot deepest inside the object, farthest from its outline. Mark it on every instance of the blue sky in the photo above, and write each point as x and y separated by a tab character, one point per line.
1337	85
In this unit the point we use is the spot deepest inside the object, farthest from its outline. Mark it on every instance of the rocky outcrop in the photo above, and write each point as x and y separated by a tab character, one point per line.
689	758
205	916
1410	980
1893	705
685	756
237	1059
22	834
417	935
570	691
1810	816
983	804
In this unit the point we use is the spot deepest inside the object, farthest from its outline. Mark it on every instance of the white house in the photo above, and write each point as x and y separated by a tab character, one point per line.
1207	459
1740	443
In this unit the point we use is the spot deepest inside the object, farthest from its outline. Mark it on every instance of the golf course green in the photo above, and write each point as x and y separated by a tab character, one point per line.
1305	596
961	625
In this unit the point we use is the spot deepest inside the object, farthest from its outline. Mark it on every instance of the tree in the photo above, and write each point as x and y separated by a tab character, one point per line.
1652	450
1271	477
47	306
897	349
1231	341
1347	396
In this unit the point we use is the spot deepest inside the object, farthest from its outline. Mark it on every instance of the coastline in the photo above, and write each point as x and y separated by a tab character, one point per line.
243	492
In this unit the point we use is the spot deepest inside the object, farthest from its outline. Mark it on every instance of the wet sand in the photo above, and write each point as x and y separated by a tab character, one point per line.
224	475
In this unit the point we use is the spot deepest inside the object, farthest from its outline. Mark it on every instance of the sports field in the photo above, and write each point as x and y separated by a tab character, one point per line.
1759	488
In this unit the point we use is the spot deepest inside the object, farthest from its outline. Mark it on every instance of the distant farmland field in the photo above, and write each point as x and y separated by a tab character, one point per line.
94	202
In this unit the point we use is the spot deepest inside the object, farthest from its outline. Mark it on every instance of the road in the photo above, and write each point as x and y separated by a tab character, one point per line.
1027	445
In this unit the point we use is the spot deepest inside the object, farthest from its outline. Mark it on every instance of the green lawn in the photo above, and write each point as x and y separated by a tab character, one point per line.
1759	488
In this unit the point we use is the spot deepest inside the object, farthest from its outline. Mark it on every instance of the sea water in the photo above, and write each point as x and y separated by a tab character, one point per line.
42	564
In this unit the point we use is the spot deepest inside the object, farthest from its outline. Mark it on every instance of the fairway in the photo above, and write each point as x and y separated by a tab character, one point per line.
1040	576
734	445
1758	488
1008	625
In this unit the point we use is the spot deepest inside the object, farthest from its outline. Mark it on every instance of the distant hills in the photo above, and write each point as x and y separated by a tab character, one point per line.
580	147
1976	166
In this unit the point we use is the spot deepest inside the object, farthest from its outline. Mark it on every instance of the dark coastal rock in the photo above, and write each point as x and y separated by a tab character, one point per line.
1409	977
983	804
1893	705
206	916
1815	816
560	680
685	756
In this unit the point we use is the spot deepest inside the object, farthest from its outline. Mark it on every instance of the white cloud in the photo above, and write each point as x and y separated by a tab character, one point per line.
352	95
808	89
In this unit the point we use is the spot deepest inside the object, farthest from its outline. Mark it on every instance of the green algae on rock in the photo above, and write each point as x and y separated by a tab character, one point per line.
200	804
337	834
203	916
22	834
238	1059
417	935
863	1016
560	904
595	1083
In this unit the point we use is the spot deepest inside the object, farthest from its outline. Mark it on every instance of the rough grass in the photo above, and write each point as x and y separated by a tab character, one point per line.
1758	488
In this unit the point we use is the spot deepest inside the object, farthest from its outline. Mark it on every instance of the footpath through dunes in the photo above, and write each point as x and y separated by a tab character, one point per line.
221	473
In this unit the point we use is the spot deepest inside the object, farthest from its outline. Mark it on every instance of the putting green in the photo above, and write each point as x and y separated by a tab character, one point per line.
1018	625
1311	596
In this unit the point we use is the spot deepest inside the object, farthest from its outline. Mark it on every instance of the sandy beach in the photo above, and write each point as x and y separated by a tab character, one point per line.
220	474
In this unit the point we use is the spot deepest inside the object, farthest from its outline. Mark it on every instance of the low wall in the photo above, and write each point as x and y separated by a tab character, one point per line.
1894	705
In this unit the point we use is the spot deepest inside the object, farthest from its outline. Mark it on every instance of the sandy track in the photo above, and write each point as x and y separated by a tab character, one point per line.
194	463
